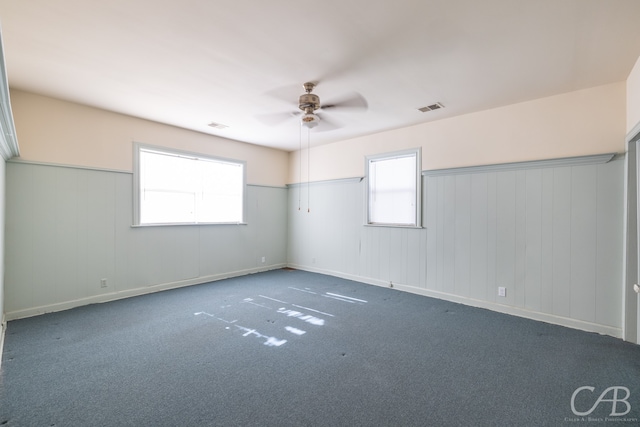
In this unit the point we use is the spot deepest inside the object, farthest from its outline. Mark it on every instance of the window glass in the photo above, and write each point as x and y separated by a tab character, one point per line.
180	188
393	189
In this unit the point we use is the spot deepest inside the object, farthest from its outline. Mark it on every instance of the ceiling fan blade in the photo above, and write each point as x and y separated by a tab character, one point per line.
354	101
288	94
275	119
326	124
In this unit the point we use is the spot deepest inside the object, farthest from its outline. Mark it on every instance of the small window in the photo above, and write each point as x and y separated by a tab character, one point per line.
393	189
174	187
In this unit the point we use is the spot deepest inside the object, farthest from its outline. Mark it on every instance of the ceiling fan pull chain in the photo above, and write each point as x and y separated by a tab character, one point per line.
308	170
300	169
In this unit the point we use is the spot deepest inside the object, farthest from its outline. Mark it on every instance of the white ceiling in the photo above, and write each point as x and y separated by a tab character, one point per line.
192	62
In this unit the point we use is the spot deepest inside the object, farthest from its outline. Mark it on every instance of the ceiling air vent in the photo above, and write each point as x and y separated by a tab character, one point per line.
217	125
432	107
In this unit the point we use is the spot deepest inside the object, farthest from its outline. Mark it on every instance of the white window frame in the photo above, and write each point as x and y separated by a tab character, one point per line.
416	199
137	182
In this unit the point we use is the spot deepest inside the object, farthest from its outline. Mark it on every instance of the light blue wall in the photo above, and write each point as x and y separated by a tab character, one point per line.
553	236
68	228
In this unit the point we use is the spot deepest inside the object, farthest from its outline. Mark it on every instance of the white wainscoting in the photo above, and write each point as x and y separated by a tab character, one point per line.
551	233
69	228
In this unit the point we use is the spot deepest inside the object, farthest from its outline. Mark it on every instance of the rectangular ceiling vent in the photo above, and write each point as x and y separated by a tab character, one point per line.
217	125
432	107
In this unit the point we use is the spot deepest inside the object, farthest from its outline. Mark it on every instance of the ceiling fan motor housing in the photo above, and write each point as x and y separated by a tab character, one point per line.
309	101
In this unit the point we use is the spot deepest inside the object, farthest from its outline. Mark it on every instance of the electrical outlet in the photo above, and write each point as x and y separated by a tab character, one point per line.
502	292
264	259
103	283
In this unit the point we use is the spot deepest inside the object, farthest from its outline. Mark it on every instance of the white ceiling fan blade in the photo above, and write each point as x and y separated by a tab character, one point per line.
275	119
326	124
353	101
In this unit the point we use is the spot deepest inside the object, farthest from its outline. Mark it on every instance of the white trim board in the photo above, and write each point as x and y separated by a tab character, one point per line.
634	133
326	181
534	164
61	165
630	300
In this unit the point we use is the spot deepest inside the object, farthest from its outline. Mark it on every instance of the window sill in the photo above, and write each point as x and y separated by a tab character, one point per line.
417	227
186	224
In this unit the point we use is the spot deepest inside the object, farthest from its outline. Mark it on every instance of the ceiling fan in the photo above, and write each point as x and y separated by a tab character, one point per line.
313	112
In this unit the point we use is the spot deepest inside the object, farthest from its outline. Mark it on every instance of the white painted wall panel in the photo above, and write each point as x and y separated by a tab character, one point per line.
462	234
449	235
430	213
562	242
267	224
552	235
65	240
69	228
546	241
438	230
492	236
478	237
383	253
396	255
96	224
520	239
354	216
43	256
533	238
583	242
91	207
20	217
124	267
372	246
506	232
414	249
609	253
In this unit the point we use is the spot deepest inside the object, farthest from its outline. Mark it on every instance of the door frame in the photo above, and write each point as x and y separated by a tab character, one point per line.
630	299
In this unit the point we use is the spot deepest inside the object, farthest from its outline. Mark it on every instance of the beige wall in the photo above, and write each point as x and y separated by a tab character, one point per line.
54	131
633	97
590	121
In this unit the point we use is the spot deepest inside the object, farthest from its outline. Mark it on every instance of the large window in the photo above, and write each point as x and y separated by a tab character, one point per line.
393	189
174	187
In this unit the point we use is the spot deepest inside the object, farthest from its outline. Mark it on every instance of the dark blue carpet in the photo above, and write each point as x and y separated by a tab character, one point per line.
292	348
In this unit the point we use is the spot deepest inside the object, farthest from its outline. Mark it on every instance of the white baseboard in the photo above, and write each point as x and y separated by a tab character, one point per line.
489	305
112	296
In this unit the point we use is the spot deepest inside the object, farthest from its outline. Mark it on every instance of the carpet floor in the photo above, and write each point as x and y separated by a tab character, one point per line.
293	348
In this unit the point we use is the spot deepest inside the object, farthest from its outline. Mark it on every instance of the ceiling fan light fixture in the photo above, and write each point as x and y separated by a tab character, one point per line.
310	120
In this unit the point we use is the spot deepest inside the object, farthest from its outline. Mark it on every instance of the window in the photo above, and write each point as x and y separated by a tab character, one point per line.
393	189
174	187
